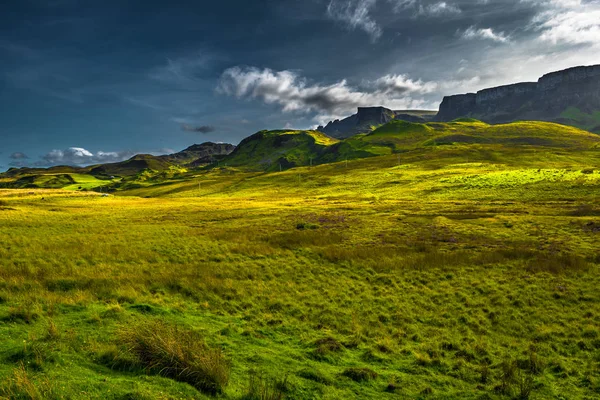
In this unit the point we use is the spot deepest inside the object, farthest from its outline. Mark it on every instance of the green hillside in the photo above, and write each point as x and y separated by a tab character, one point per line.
132	166
43	179
585	120
272	150
456	271
401	135
443	260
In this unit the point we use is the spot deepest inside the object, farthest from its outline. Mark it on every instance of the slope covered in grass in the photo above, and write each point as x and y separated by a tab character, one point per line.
133	166
586	120
402	135
71	181
272	150
445	274
465	270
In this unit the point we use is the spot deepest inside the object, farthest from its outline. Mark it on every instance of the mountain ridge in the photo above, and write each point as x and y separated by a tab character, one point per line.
368	117
279	150
570	97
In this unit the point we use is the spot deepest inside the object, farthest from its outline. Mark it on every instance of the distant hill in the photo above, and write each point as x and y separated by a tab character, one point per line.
272	151
199	154
52	170
368	118
132	166
405	136
193	156
570	97
282	149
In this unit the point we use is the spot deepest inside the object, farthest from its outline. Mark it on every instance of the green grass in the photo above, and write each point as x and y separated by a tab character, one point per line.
463	270
275	150
589	121
84	181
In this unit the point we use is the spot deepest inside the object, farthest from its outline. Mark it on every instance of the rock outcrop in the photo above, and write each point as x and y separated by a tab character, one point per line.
570	97
368	117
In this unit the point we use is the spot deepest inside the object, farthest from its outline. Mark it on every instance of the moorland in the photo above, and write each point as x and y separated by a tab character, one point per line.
439	260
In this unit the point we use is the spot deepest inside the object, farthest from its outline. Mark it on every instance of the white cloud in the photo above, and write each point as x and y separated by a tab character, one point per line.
439	9
81	156
571	22
355	14
484	33
397	85
573	27
436	9
401	5
294	93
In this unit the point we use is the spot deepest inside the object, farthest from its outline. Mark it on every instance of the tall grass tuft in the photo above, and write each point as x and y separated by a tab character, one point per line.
21	386
263	388
177	353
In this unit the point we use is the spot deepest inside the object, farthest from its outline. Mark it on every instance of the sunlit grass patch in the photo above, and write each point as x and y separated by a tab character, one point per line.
399	264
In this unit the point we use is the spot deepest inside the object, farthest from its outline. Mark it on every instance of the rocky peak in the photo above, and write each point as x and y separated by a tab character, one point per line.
367	117
374	116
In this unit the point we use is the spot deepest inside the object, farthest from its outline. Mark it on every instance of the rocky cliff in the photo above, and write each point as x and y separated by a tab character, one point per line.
368	117
571	97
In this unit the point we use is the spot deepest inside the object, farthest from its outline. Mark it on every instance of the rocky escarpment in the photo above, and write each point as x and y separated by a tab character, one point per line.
571	97
368	117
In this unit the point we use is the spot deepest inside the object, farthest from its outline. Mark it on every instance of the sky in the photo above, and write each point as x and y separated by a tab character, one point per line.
93	81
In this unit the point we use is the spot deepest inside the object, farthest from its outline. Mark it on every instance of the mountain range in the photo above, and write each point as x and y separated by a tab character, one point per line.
275	151
369	117
193	156
486	118
569	97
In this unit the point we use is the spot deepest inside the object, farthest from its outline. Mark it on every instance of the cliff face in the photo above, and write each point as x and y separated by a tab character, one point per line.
368	117
570	97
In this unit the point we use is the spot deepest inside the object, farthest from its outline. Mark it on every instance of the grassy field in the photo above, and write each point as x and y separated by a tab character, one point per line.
464	271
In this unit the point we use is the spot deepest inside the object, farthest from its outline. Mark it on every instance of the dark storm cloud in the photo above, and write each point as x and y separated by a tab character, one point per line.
198	129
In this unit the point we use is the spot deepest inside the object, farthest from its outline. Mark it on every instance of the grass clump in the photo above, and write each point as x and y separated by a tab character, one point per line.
557	263
21	386
177	353
265	388
306	225
360	374
23	314
315	376
326	348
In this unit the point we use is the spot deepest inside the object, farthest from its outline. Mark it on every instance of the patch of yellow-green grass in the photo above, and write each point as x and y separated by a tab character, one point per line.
303	289
320	137
589	121
463	271
84	181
